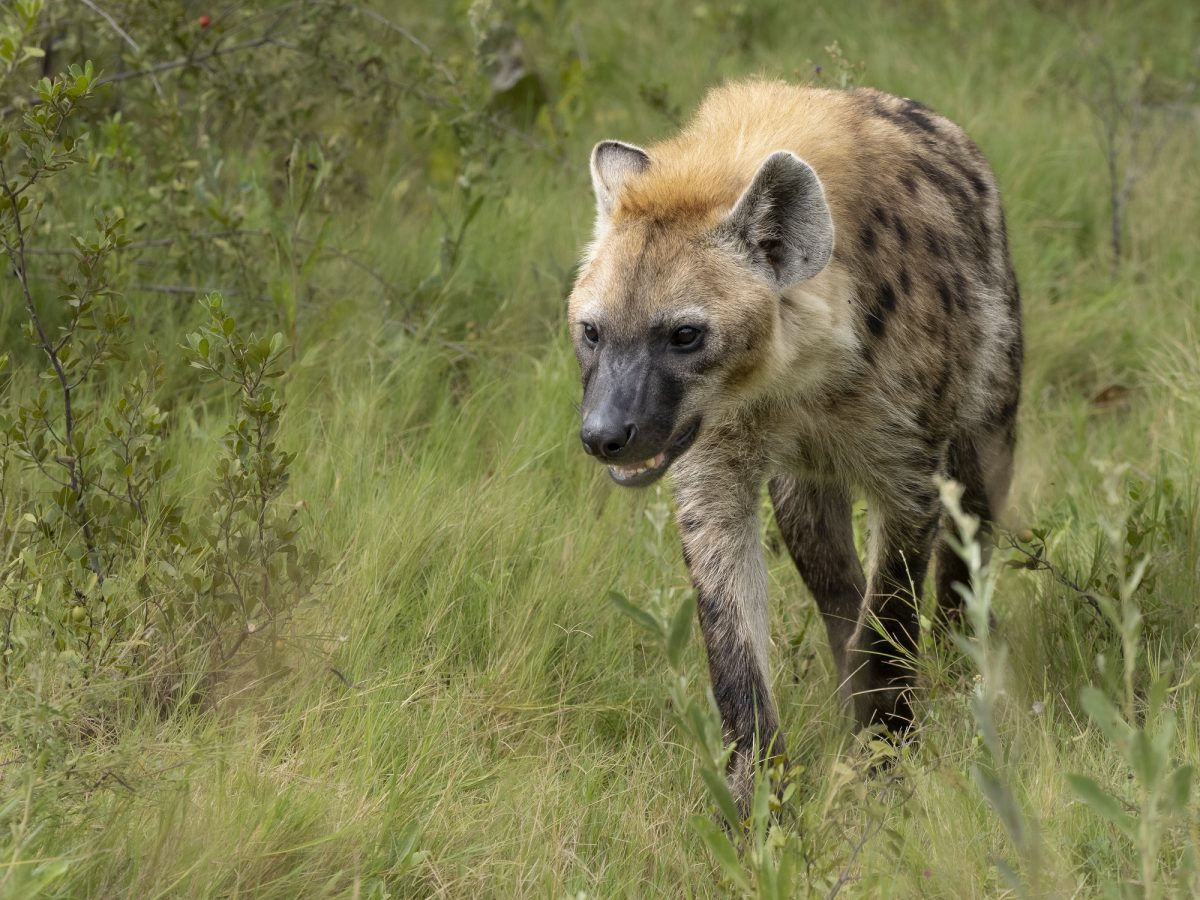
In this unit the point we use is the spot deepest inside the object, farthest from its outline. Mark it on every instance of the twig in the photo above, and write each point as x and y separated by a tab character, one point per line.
123	34
1040	564
16	255
180	289
182	63
191	61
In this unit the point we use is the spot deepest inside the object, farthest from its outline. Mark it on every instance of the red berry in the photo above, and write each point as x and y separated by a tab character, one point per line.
205	21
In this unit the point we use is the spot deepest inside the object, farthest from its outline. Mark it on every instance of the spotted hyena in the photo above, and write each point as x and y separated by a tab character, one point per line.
811	289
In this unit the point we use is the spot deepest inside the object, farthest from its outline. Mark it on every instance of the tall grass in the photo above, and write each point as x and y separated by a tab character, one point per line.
459	711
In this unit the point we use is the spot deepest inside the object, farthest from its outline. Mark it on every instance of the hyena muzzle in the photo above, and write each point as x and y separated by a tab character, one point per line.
810	289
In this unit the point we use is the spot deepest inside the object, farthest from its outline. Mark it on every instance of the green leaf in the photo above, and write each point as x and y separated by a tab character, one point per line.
1146	759
1178	790
636	613
680	630
720	846
718	789
1103	804
1002	801
1105	716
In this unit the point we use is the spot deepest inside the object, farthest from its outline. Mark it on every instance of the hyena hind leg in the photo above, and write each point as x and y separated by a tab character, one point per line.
984	468
885	642
815	521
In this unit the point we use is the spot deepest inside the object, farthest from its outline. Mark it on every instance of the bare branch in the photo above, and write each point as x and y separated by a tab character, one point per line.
123	34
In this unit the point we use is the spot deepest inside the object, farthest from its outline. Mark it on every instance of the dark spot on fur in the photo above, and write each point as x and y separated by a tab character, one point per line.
875	322
901	230
959	286
943	292
910	116
909	183
905	281
866	237
1007	412
924	419
943	382
973	178
935	244
879	214
887	296
688	523
944	182
915	113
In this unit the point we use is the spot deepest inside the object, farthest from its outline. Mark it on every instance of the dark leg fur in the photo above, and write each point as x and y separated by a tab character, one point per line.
882	679
815	522
985	478
718	521
743	695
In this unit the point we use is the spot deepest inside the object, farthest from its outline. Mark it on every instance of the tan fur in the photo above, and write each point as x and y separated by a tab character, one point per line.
898	361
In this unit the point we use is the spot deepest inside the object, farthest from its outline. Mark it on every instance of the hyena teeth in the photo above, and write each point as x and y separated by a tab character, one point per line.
639	468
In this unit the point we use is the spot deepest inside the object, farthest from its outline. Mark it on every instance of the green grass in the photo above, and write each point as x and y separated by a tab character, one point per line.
458	710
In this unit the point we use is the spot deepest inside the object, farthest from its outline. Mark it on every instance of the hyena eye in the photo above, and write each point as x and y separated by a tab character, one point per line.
686	338
591	334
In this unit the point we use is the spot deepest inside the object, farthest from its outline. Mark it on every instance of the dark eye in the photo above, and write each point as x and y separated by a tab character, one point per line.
591	334
686	338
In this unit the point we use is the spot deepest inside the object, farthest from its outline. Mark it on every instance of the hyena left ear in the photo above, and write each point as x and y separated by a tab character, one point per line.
782	221
612	163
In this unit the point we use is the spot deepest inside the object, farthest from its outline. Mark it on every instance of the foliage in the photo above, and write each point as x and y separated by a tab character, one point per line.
102	574
385	201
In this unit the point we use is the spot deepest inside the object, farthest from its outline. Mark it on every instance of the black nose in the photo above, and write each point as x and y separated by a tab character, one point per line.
606	439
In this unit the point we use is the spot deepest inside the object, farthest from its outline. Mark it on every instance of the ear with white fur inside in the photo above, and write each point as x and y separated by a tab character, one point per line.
613	162
782	222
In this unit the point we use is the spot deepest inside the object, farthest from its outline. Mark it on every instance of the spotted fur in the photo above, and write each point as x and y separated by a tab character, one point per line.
862	337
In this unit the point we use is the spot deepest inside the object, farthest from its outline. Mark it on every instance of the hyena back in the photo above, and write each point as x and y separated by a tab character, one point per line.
810	289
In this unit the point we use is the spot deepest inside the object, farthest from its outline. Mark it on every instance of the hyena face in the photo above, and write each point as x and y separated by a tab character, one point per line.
671	319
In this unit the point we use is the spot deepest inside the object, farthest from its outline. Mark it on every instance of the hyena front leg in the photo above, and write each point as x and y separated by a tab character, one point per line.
901	537
717	516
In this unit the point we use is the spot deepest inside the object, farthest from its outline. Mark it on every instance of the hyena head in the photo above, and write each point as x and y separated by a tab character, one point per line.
675	313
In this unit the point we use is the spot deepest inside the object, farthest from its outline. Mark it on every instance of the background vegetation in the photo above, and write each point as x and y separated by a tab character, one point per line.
308	593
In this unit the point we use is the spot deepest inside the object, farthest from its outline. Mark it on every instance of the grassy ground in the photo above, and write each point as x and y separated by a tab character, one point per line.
459	711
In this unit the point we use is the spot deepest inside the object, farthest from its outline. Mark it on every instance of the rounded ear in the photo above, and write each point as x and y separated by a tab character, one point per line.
782	222
612	163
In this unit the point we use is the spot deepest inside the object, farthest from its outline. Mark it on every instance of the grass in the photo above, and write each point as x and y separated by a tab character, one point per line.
458	711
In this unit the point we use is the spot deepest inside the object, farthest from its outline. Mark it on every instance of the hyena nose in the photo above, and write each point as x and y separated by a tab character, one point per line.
606	439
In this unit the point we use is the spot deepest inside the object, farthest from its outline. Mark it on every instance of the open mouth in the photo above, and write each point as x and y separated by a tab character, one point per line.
648	471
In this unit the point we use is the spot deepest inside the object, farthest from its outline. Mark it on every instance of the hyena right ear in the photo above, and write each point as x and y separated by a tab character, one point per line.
782	222
612	163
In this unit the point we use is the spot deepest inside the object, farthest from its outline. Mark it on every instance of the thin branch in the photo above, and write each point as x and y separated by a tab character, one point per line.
191	61
182	63
124	35
180	289
17	257
1040	564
